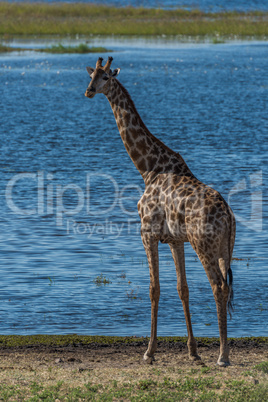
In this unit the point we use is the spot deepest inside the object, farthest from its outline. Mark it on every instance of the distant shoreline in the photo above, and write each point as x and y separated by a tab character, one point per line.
63	19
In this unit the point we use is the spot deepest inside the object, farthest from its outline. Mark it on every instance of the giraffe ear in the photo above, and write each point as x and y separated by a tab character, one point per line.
90	70
115	72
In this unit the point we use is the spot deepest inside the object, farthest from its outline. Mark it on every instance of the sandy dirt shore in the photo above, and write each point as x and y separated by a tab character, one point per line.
121	364
243	354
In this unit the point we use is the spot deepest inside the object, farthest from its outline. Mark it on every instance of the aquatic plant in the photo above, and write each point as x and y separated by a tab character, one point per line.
4	48
101	280
82	48
59	49
132	294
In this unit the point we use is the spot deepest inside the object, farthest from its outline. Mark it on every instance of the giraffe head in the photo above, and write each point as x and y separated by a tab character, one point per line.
101	78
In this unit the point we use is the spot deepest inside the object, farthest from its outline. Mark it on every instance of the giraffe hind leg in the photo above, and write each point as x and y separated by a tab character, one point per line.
226	271
216	268
220	290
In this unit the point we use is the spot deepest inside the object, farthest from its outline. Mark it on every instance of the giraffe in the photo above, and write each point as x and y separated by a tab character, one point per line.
175	208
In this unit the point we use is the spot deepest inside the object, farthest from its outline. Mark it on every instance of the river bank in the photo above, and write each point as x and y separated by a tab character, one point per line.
76	367
87	19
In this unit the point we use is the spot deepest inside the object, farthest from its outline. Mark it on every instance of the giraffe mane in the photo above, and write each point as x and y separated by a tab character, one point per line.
159	142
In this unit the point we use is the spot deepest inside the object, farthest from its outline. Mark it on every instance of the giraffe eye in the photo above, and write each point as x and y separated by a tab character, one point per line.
105	78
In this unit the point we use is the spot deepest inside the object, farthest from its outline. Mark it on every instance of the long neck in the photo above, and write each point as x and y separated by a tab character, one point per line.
150	156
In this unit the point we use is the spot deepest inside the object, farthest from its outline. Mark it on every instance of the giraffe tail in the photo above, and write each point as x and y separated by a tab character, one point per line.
230	273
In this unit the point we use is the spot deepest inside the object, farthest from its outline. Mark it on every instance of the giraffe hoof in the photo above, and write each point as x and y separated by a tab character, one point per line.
148	359
223	363
194	357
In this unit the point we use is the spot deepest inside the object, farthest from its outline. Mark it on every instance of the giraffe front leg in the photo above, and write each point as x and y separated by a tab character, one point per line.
182	287
151	247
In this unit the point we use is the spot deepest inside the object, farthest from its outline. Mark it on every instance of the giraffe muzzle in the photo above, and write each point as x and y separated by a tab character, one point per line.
90	93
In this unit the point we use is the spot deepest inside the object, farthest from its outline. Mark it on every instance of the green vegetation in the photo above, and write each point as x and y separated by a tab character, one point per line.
4	48
182	389
101	280
87	373
82	48
216	41
65	340
88	19
262	367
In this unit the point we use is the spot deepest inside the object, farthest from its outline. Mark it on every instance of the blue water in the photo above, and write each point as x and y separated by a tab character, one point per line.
204	5
209	102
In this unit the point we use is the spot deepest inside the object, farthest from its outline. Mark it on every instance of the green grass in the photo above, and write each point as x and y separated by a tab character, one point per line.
34	377
192	389
262	367
64	340
88	19
59	49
